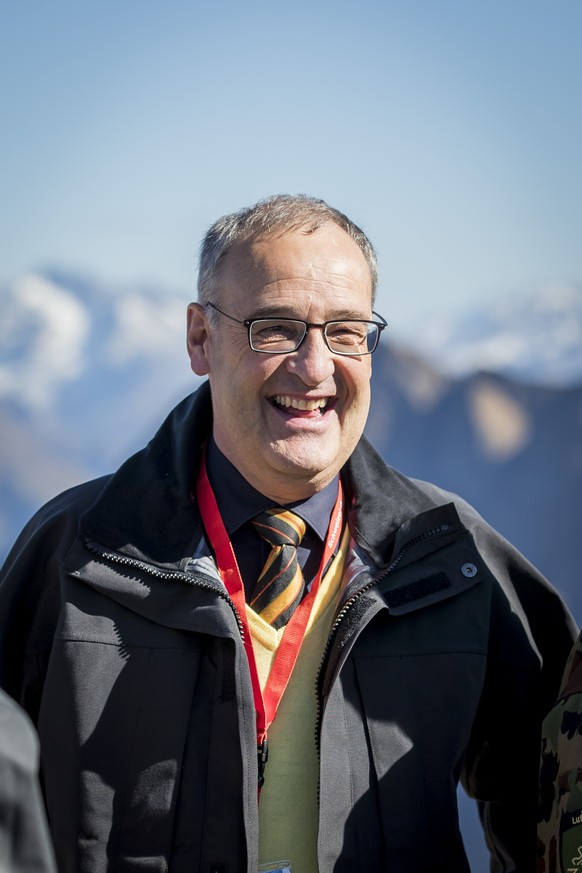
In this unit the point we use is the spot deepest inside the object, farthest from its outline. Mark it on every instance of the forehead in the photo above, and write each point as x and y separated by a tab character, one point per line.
323	260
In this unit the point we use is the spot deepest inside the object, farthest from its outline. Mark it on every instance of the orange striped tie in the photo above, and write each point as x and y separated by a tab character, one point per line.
280	585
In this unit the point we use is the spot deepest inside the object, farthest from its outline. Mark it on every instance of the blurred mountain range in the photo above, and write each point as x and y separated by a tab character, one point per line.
87	373
532	337
488	405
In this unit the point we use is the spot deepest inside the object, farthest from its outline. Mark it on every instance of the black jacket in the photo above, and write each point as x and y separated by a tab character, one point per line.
447	651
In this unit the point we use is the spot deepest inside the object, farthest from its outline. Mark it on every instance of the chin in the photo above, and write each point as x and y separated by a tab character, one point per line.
307	465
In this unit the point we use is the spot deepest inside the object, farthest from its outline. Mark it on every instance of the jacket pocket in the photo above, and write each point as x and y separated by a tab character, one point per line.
418	710
113	724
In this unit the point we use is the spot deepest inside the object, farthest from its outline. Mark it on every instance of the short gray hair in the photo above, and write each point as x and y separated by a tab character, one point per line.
283	212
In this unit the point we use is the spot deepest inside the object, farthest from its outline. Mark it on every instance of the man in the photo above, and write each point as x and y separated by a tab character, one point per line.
256	644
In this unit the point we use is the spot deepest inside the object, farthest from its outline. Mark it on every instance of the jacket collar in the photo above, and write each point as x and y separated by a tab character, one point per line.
146	510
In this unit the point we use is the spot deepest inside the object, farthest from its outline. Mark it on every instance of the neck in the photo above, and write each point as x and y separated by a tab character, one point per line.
279	490
282	490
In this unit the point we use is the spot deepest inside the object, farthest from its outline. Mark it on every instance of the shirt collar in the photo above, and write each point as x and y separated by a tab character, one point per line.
238	502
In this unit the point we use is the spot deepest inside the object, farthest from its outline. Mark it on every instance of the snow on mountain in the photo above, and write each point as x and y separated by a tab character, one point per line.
73	351
56	326
42	336
534	337
66	339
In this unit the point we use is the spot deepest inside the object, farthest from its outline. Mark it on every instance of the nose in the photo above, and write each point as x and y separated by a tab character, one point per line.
313	362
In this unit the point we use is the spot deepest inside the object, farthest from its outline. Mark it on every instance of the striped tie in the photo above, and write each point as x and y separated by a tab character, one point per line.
280	585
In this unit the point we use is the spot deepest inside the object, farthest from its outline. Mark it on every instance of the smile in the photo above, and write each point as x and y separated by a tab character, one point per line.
286	402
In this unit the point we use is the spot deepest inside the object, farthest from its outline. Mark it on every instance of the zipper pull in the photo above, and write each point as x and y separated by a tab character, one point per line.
263	757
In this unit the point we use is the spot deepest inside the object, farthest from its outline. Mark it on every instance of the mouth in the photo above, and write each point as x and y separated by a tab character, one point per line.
305	407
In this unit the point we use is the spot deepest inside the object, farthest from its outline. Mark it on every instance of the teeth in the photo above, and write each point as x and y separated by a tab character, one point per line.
307	405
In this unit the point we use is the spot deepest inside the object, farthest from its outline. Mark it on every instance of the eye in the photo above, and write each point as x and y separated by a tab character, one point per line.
274	332
351	333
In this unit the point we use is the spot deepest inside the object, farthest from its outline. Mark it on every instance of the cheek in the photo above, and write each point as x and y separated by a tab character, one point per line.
357	380
230	364
260	369
245	382
358	406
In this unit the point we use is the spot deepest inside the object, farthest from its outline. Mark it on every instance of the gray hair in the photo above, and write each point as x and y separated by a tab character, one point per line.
283	212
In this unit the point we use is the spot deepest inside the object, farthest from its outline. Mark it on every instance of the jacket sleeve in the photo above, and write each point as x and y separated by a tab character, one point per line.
30	597
531	634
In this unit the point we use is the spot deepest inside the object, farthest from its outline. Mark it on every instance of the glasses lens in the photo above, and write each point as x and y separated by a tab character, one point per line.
352	337
276	335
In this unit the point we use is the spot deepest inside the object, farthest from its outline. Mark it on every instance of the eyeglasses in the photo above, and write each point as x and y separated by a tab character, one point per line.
280	336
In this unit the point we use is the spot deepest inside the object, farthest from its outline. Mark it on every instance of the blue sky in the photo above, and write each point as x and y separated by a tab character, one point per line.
450	130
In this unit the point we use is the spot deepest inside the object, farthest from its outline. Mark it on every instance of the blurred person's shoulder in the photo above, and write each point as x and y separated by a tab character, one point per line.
18	740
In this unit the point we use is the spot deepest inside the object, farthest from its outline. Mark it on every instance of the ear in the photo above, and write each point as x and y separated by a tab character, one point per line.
198	335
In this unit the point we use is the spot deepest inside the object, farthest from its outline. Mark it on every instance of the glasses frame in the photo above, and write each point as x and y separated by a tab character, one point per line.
249	322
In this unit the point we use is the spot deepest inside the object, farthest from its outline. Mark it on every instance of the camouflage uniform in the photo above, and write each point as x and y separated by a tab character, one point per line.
560	812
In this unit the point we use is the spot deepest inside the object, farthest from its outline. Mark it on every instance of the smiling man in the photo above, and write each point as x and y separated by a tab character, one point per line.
288	421
257	646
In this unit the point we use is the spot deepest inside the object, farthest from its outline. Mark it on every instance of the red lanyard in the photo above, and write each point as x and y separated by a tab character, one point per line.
267	701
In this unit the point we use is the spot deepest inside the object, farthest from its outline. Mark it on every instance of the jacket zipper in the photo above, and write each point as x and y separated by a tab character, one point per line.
346	608
174	575
197	581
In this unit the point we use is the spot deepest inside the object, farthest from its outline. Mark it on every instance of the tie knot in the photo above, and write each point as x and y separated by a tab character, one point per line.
280	527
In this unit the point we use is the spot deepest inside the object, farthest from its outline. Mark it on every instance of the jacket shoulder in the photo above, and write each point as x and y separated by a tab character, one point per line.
56	522
440	496
74	500
495	548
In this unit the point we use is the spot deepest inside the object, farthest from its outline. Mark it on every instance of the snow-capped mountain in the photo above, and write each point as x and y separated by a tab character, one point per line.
73	351
534	337
66	341
58	329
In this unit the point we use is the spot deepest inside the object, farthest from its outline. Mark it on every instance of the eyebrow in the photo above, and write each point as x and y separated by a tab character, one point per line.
285	312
